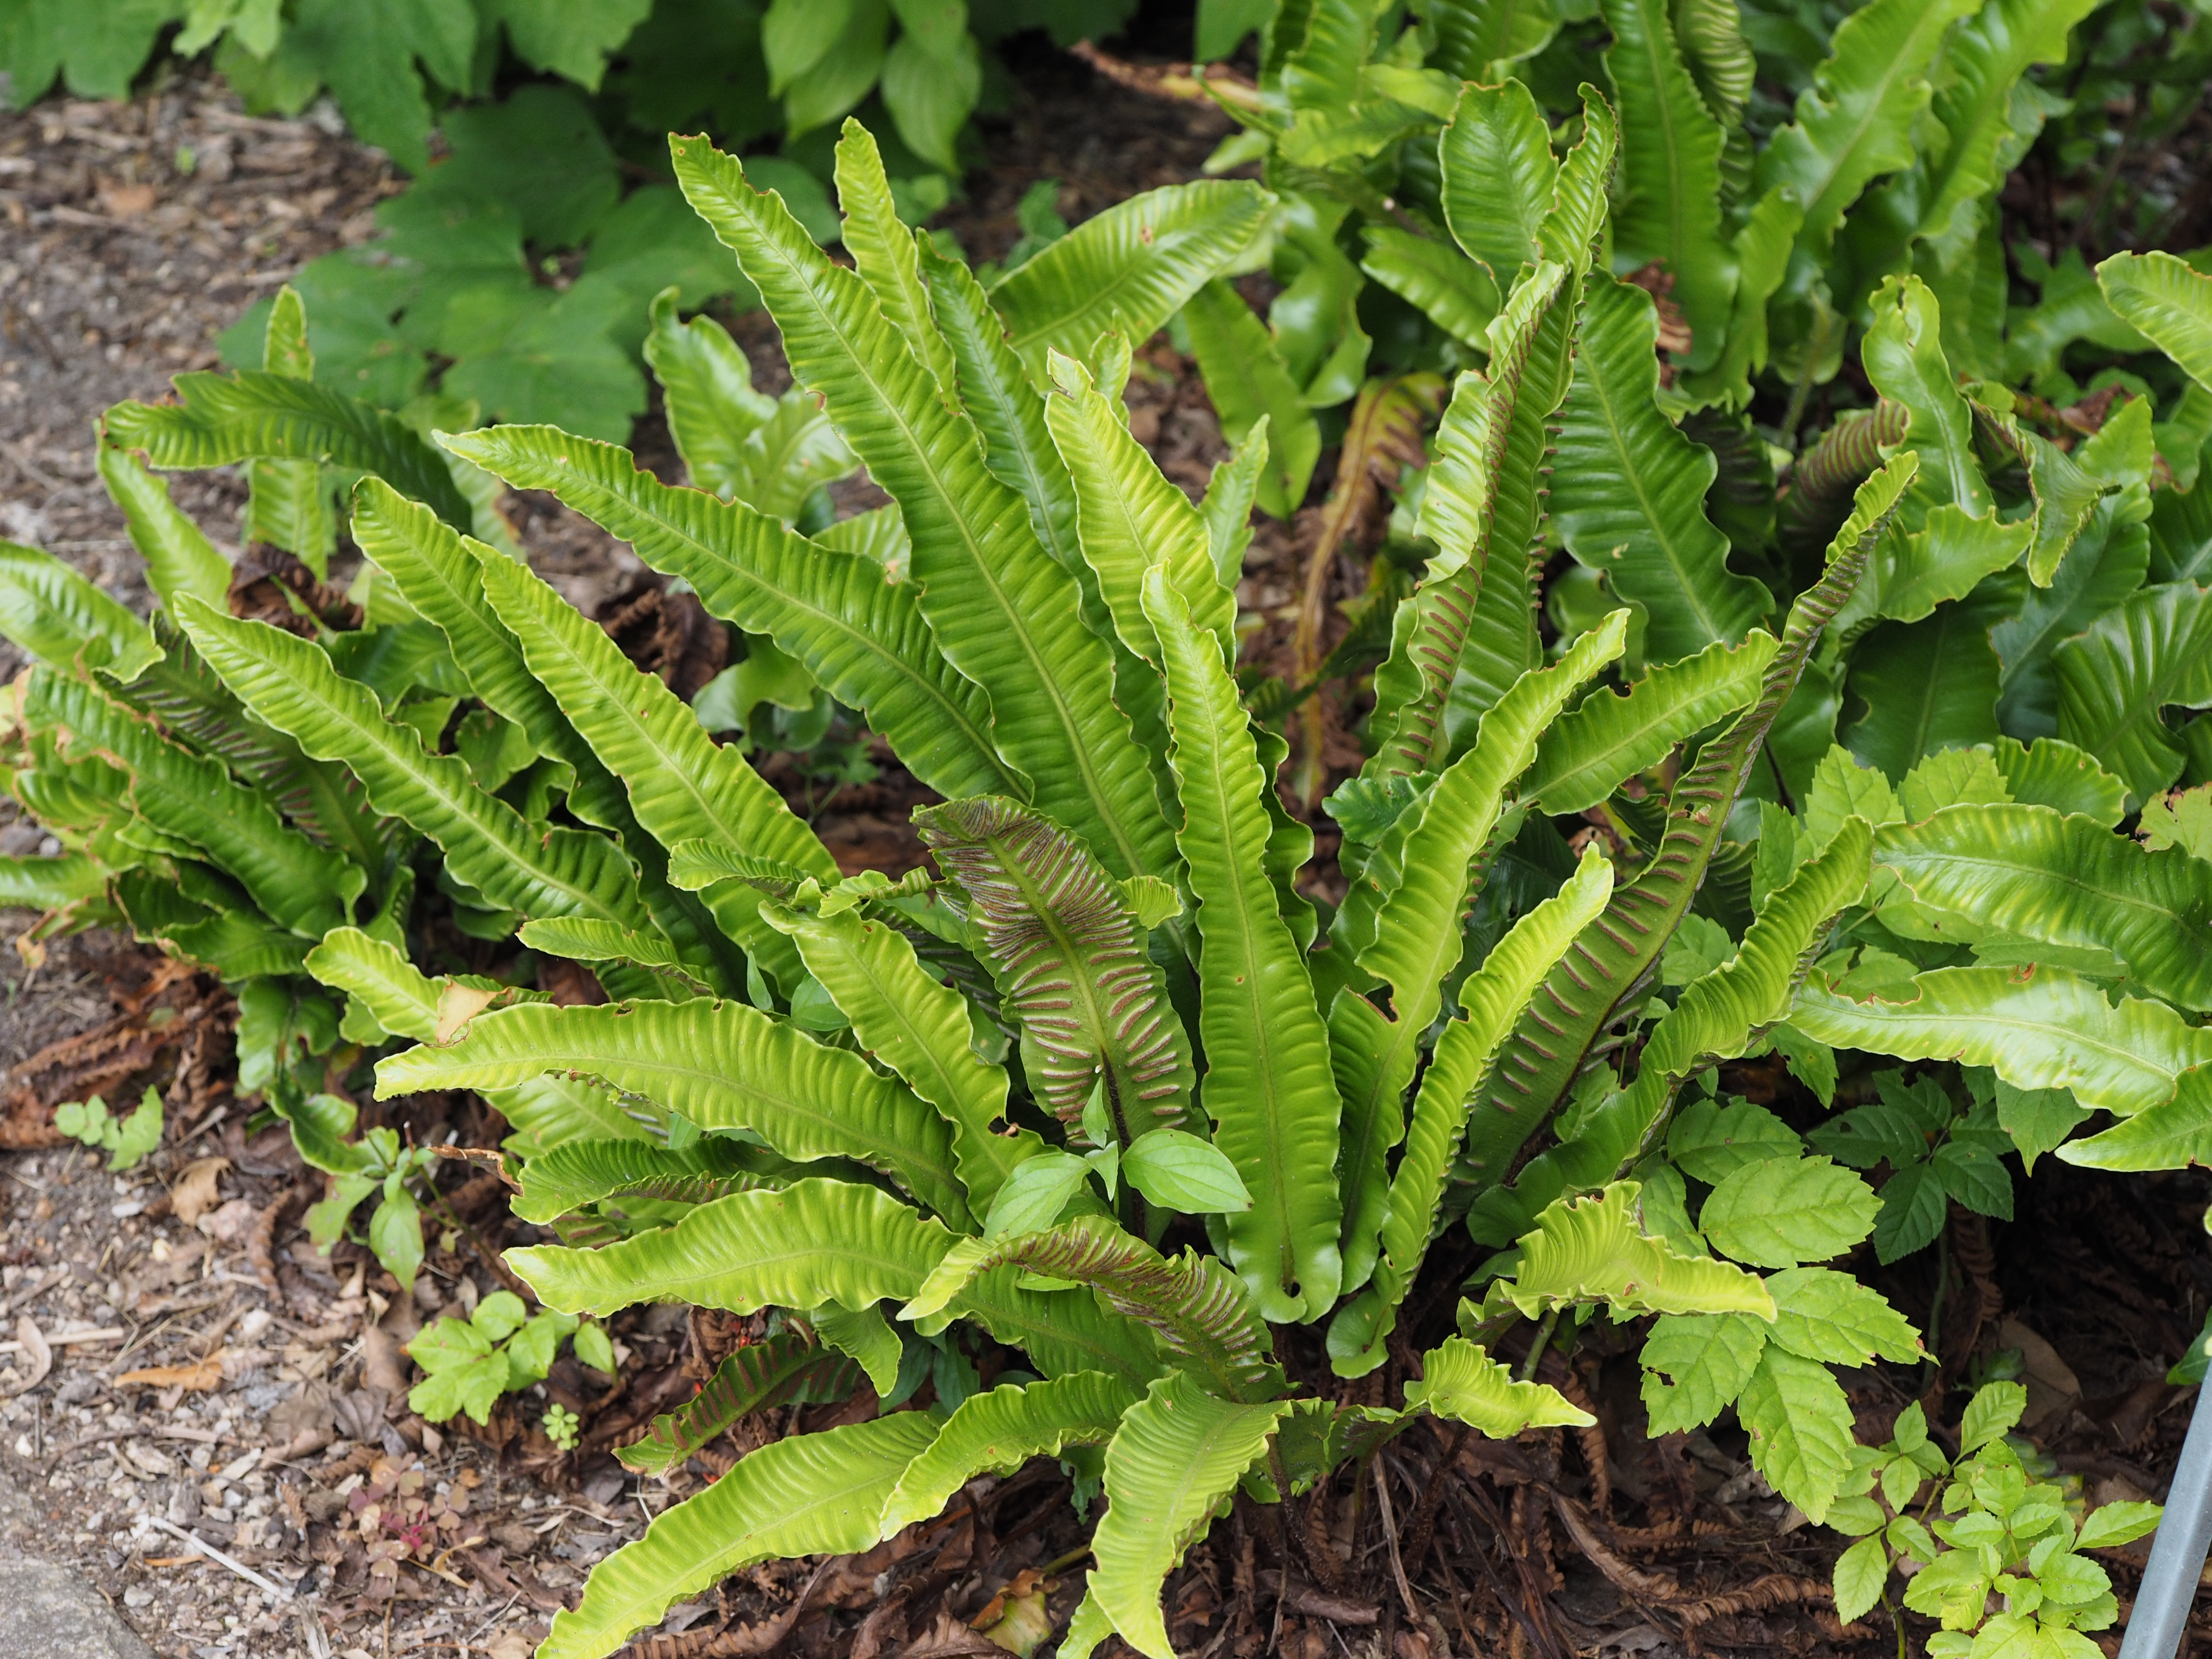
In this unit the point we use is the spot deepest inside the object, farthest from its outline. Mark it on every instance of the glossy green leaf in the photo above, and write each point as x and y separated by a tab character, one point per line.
997	1432
1002	610
1628	488
804	1495
720	1065
2040	1028
1268	1087
1176	1459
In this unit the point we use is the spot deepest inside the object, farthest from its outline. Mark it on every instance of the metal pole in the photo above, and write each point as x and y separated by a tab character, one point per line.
2177	1549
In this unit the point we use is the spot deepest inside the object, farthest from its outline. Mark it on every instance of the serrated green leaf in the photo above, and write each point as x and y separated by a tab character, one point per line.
1820	1314
1801	1429
1710	1356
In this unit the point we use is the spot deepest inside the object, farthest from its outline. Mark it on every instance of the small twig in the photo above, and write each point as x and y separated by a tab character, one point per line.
1390	1537
219	1558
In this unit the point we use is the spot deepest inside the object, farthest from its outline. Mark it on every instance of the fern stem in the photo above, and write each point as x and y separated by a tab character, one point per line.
1536	1346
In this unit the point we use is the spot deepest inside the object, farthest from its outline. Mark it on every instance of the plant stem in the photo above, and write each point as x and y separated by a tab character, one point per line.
1543	1337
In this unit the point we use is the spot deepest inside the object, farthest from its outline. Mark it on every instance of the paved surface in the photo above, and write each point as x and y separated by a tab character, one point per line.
49	1611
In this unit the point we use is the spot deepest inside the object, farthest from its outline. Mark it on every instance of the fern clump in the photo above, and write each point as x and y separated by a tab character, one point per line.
1104	1084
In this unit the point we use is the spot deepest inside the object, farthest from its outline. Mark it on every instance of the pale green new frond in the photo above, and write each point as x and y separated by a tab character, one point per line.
2040	1028
1129	269
291	684
721	1065
404	998
1594	1250
859	635
1613	735
179	558
1001	609
812	1243
921	1029
997	1432
1459	1381
883	250
2171	1135
1174	1462
804	1495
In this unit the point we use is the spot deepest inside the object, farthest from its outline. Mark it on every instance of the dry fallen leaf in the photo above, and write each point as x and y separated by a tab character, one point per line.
194	1194
456	1005
230	1223
38	1356
200	1376
125	201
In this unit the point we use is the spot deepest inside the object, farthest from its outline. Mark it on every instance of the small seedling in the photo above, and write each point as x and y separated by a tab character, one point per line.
126	1139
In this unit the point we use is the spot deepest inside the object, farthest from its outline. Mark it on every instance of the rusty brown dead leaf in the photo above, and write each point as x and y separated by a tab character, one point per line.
194	1194
200	1376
